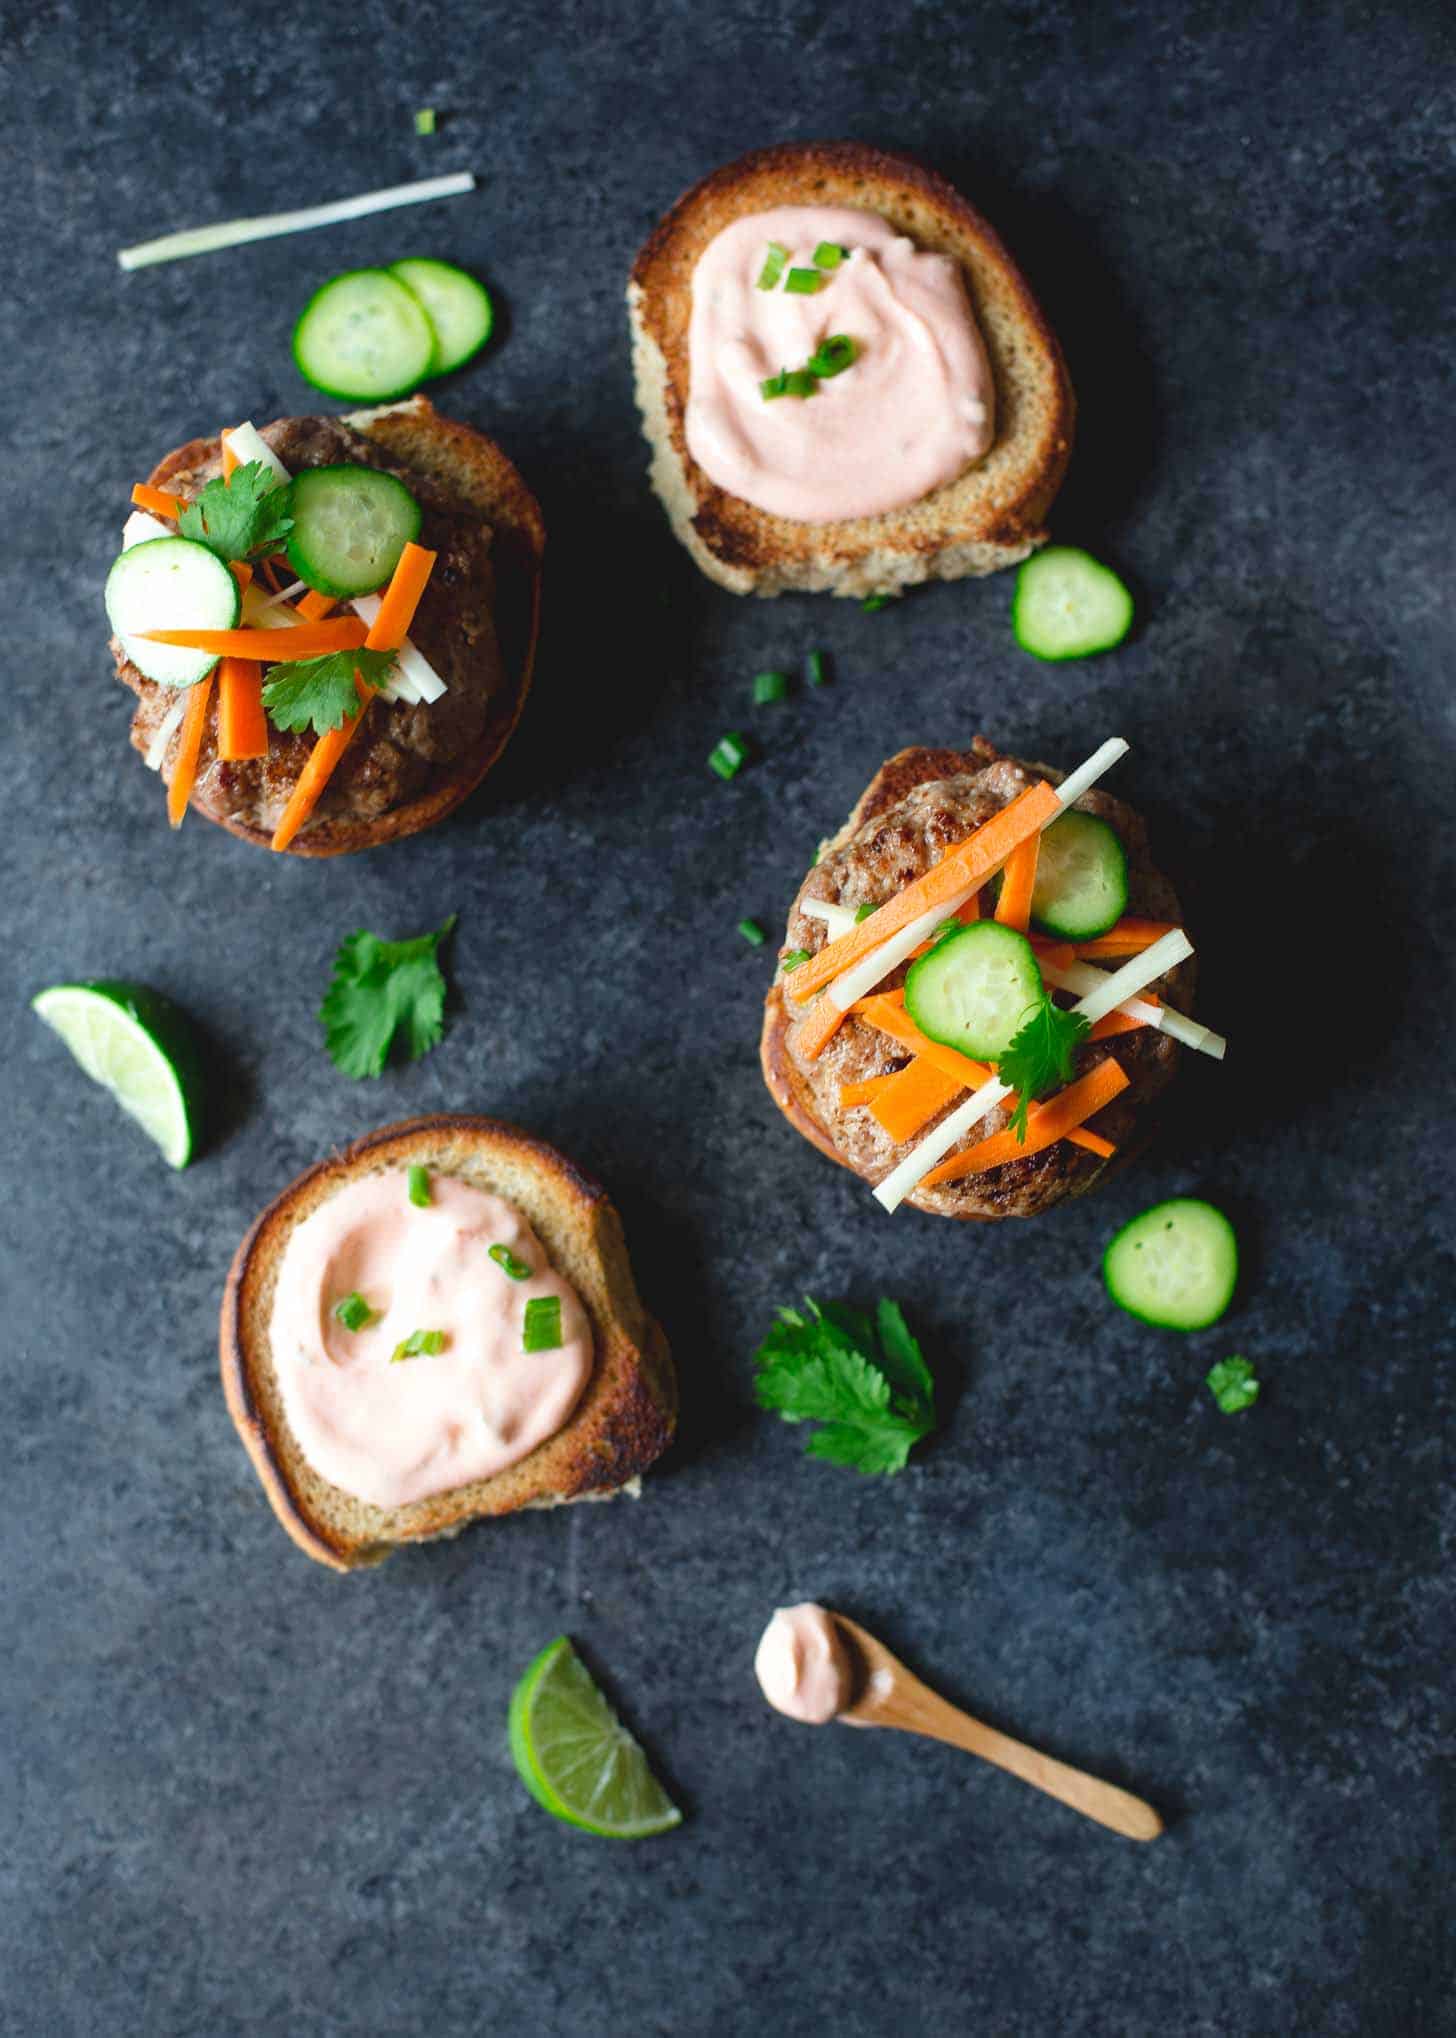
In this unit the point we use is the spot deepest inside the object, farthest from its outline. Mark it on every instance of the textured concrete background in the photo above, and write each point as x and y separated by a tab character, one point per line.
240	1794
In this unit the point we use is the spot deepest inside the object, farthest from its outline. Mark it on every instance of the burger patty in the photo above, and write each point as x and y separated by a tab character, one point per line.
919	805
402	751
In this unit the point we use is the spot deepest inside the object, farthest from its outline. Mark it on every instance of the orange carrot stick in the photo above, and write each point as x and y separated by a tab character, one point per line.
184	770
315	606
157	501
316	773
1114	1023
1128	937
1046	1123
913	1099
401	598
1018	882
1060	954
818	1027
295	640
229	457
964	867
851	1094
242	726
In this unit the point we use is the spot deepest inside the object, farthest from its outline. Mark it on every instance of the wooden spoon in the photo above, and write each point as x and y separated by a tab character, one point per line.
886	1695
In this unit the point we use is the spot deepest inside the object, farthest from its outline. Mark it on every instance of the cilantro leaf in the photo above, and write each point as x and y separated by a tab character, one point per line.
1233	1385
241	517
1042	1055
869	1387
382	991
319	693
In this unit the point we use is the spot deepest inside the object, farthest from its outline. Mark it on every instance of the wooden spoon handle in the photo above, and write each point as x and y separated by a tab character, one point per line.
921	1711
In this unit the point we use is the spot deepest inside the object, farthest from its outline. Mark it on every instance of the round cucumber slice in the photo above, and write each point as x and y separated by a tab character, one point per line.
575	1756
137	1045
169	584
1176	1266
456	305
1081	878
1068	605
974	989
350	525
364	336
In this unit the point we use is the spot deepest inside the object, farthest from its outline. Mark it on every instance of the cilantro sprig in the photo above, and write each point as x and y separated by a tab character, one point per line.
1233	1384
866	1382
1042	1055
242	517
383	991
319	693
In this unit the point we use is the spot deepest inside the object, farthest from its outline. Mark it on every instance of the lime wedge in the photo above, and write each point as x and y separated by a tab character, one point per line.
135	1043
576	1757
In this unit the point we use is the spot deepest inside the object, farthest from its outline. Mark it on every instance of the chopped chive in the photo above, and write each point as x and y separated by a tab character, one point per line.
829	255
873	603
804	282
833	356
773	265
506	1260
541	1331
354	1312
946	929
419	1187
728	755
769	686
793	959
789	382
425	120
863	912
814	664
1233	1385
420	1344
752	933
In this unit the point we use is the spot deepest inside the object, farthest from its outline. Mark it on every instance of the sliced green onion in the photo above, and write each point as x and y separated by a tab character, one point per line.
773	265
541	1331
506	1260
863	912
420	1344
425	120
829	255
728	755
419	1187
752	933
804	282
232	233
769	686
833	355
354	1312
793	959
1233	1385
789	382
873	603
815	665
945	928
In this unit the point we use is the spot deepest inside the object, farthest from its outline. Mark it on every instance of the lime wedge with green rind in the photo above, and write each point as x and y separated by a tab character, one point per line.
137	1045
575	1756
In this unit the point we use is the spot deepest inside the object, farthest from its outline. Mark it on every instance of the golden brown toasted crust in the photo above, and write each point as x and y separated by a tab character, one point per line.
627	1413
474	470
990	517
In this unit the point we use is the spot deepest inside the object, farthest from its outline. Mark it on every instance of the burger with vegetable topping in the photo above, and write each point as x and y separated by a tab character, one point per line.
329	624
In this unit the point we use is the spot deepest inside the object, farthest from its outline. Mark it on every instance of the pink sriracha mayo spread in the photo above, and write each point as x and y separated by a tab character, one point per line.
393	1431
912	411
801	1665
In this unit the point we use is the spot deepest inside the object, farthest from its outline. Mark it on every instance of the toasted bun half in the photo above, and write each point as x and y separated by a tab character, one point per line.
628	1410
991	517
913	790
474	471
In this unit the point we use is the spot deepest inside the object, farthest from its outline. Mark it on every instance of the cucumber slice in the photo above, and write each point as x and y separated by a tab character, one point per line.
350	525
974	989
455	304
1175	1266
169	584
1068	605
1081	878
365	336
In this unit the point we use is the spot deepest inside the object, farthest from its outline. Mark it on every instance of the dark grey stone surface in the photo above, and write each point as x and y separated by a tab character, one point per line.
240	1794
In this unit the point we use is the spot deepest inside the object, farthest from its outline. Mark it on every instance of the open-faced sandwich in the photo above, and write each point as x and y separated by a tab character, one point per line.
845	381
983	985
440	1324
329	624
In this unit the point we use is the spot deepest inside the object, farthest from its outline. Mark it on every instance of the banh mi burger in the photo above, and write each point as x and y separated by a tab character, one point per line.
329	624
844	378
439	1325
984	985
